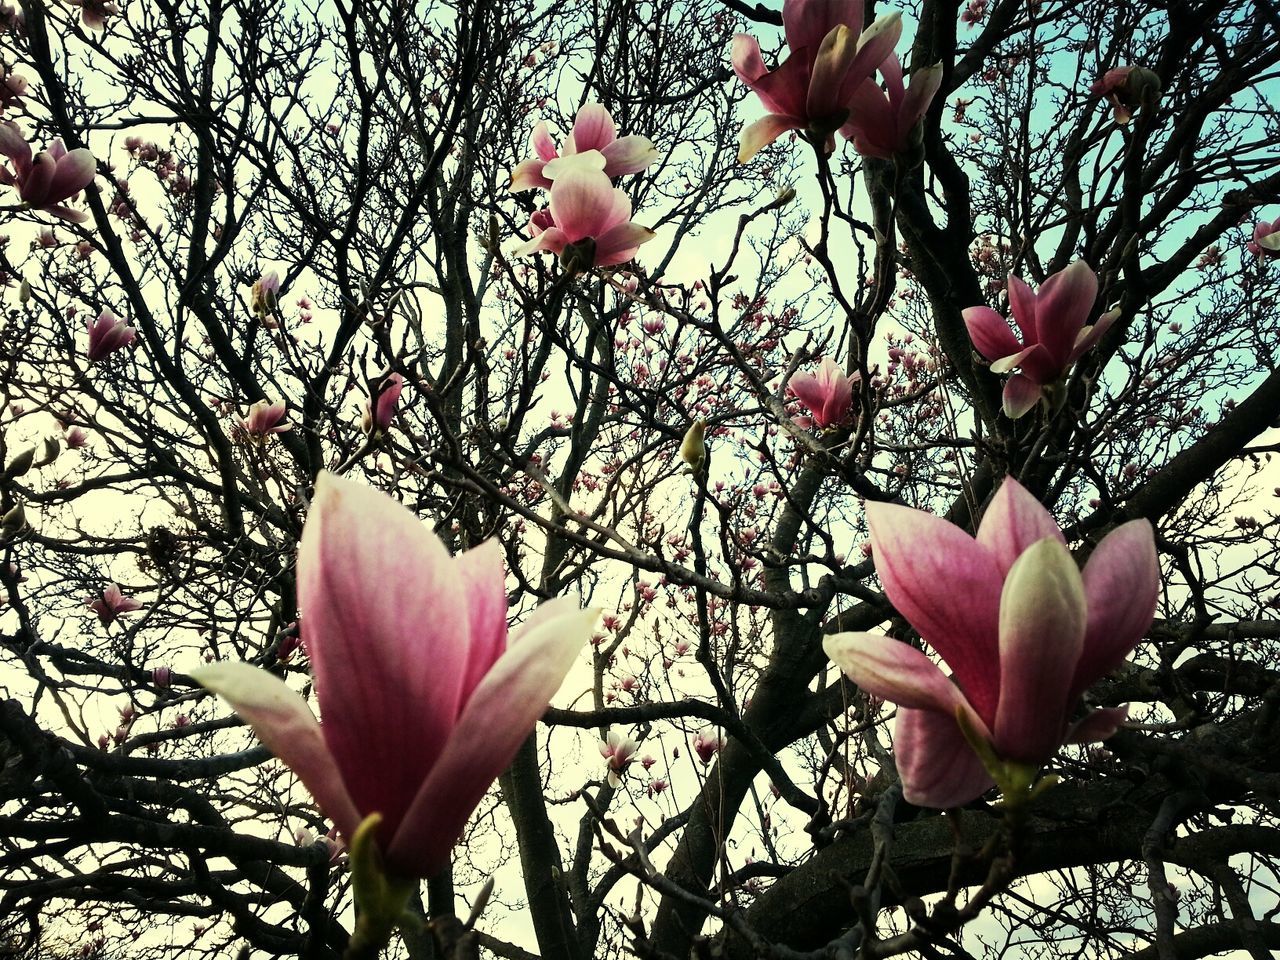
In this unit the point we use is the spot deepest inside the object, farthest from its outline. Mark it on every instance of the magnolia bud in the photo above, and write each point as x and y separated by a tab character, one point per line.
24	292
693	450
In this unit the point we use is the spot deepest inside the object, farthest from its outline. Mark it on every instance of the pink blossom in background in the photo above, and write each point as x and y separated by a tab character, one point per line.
76	438
882	122
1054	335
112	604
589	218
707	744
265	418
12	87
831	55
107	334
379	415
94	13
1266	239
828	394
593	129
45	180
1024	632
423	701
162	677
1126	89
265	293
619	750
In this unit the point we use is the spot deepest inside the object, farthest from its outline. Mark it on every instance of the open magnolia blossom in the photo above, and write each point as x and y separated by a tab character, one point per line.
1054	335
588	220
112	604
380	409
265	419
423	701
107	334
593	129
45	180
828	395
619	750
1266	239
831	57
883	122
1024	632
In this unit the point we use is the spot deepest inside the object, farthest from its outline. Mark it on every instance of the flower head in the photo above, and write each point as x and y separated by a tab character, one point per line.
593	129
883	123
265	293
107	334
12	87
112	604
1054	335
588	220
50	177
828	394
423	701
380	409
264	419
1127	88
1024	632
707	743
1266	239
831	55
619	749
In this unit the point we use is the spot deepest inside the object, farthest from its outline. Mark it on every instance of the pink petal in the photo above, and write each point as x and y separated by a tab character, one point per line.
1098	724
1020	395
593	129
1013	522
830	67
786	89
875	48
582	202
1022	303
1091	335
387	629
72	173
1122	585
1062	307
541	142
284	723
628	155
990	333
746	59
14	146
947	585
893	671
619	244
1042	624
762	133
499	717
1014	360
808	22
528	176
35	185
937	766
552	239
482	580
871	121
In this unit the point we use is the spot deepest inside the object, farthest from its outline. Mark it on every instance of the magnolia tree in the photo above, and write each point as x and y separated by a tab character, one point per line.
556	480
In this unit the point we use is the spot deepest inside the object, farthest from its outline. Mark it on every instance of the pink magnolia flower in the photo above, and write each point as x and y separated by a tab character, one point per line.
828	394
380	410
162	677
707	744
831	55
588	221
108	334
94	13
424	703
593	129
1266	239
1024	632
265	293
76	437
1054	335
44	181
12	87
264	419
619	749
1127	88
882	122
111	604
